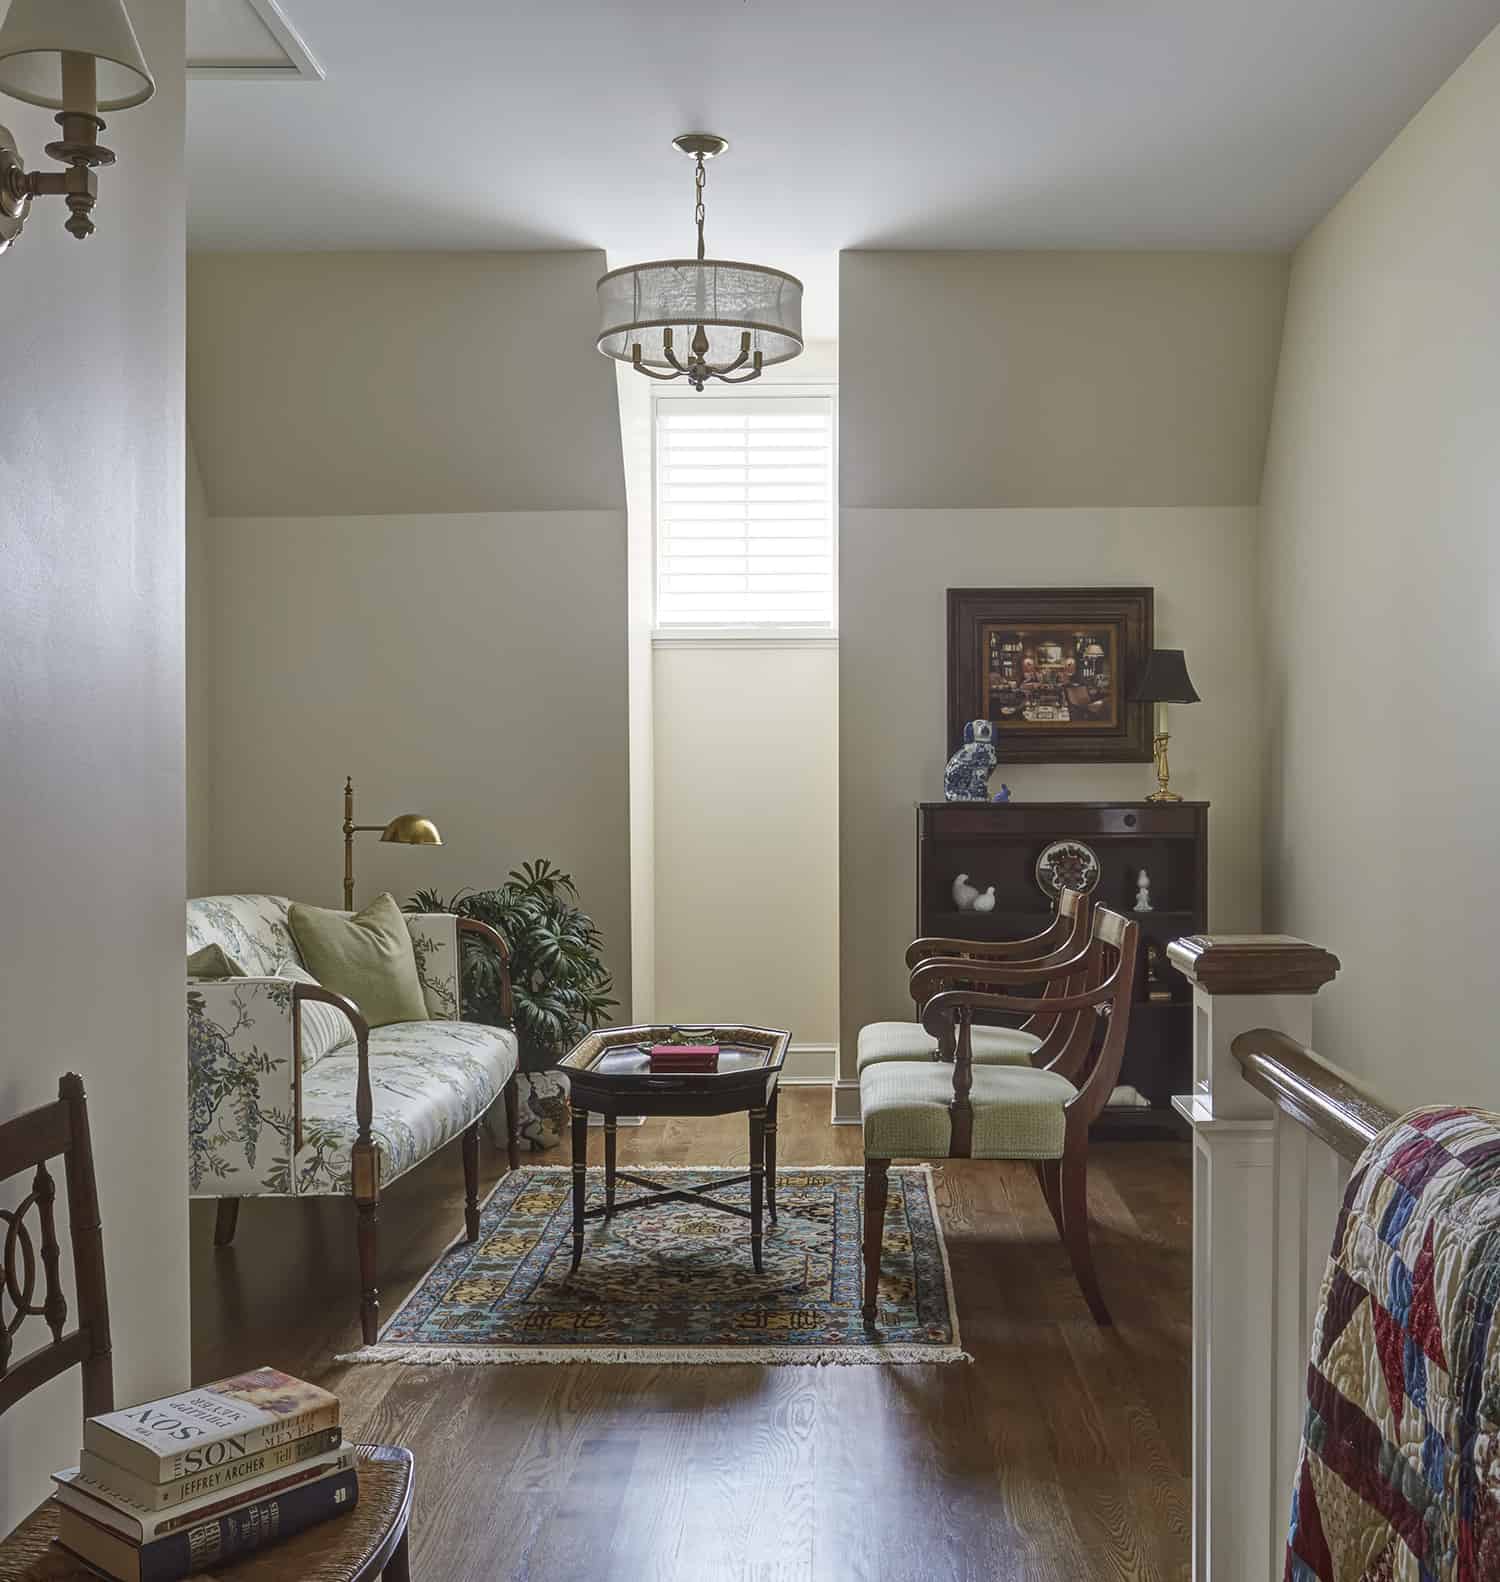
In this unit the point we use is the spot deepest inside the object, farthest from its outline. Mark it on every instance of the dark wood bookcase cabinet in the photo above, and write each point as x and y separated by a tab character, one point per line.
998	843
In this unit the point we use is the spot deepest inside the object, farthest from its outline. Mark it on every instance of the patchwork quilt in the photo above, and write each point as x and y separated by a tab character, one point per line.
1399	1476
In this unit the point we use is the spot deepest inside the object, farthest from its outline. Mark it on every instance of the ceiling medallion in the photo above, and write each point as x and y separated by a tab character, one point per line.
700	318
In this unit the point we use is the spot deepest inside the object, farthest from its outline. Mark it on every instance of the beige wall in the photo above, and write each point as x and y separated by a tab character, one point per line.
469	664
91	706
1040	379
342	384
1104	415
747	840
480	681
1382	590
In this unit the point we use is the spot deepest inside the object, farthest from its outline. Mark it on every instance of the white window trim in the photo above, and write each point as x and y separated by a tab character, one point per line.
766	635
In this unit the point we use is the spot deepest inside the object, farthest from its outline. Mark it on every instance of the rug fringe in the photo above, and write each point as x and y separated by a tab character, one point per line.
658	1356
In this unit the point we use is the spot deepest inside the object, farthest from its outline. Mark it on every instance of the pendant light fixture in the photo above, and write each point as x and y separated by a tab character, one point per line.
700	318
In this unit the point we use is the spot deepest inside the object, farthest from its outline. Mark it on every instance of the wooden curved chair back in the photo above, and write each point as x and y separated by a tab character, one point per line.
58	1130
1065	971
1068	928
1108	968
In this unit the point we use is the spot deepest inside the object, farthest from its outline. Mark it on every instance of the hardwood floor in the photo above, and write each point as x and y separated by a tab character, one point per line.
1061	1453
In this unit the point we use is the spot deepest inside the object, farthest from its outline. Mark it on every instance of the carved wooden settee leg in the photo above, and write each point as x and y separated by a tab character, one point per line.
366	1170
471	1181
227	1219
513	1122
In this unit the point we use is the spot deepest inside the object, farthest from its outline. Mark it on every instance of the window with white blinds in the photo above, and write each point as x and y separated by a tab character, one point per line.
744	511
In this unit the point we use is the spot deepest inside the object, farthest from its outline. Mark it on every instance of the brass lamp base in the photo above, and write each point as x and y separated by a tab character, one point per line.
1159	753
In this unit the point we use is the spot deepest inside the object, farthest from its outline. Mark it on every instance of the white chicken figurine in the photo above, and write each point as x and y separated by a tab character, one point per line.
964	893
985	902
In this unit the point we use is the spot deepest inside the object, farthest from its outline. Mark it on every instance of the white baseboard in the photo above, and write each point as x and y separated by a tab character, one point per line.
845	1103
810	1065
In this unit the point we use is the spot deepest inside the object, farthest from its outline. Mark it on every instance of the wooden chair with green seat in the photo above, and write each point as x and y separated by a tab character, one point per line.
936	963
919	1109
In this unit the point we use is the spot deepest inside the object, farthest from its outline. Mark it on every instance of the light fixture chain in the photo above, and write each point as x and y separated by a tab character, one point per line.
700	176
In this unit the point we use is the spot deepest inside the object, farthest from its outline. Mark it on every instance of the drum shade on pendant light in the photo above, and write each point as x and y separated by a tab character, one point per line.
700	318
77	57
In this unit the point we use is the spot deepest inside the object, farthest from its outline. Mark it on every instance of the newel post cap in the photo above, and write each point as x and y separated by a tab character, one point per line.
1252	963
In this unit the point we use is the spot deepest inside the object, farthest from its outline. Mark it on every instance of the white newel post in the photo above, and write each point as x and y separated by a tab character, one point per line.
1250	1307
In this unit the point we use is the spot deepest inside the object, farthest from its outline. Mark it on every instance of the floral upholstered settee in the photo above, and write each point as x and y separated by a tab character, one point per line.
290	1094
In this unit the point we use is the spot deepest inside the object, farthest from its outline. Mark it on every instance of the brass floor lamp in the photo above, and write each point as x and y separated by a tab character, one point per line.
407	829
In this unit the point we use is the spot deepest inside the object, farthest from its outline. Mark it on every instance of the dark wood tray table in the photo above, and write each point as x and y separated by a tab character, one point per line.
609	1074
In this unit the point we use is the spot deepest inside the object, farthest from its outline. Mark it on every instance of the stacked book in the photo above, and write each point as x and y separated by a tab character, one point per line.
684	1057
170	1487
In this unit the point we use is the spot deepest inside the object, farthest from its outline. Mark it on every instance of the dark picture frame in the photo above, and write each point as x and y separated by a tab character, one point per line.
1054	669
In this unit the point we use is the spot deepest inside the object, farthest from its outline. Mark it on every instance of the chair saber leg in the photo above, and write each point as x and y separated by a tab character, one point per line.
611	1126
1075	1208
877	1193
1047	1173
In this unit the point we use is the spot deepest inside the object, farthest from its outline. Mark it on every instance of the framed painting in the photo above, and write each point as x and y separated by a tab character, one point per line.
1053	669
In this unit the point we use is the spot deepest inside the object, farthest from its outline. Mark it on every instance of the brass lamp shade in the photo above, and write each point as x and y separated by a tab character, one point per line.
411	829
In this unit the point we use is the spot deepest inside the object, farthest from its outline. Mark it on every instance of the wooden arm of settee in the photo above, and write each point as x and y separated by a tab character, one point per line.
364	1102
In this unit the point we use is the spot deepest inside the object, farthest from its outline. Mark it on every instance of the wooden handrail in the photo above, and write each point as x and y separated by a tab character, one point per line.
1311	1091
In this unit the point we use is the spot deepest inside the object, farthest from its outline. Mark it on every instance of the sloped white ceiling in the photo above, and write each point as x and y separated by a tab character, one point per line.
854	123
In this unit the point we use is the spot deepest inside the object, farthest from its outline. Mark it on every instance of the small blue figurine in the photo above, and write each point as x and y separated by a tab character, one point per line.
1003	794
967	777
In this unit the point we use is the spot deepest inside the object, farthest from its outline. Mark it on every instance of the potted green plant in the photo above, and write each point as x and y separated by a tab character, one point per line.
559	983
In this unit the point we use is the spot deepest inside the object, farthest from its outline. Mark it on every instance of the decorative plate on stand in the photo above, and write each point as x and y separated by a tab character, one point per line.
1068	865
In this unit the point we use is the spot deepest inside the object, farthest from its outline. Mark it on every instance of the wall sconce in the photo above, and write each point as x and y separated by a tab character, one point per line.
77	57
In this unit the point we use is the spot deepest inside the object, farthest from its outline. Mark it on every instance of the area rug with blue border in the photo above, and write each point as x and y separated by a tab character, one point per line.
675	1283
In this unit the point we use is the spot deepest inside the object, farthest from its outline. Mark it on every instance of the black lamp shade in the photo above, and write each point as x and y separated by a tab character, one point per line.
1165	679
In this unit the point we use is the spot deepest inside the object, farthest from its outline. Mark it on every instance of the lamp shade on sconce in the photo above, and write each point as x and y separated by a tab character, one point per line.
44	42
411	829
1165	679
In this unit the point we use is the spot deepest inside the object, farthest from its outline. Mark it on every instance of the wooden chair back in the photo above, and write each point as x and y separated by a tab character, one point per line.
1067	970
1068	929
58	1130
1109	985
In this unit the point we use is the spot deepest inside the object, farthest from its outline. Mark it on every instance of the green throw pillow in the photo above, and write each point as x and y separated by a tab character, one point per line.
211	962
367	956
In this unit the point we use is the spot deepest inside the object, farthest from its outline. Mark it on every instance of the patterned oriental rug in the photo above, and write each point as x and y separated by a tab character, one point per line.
674	1284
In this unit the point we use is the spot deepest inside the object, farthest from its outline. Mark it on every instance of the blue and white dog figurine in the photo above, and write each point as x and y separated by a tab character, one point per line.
967	777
